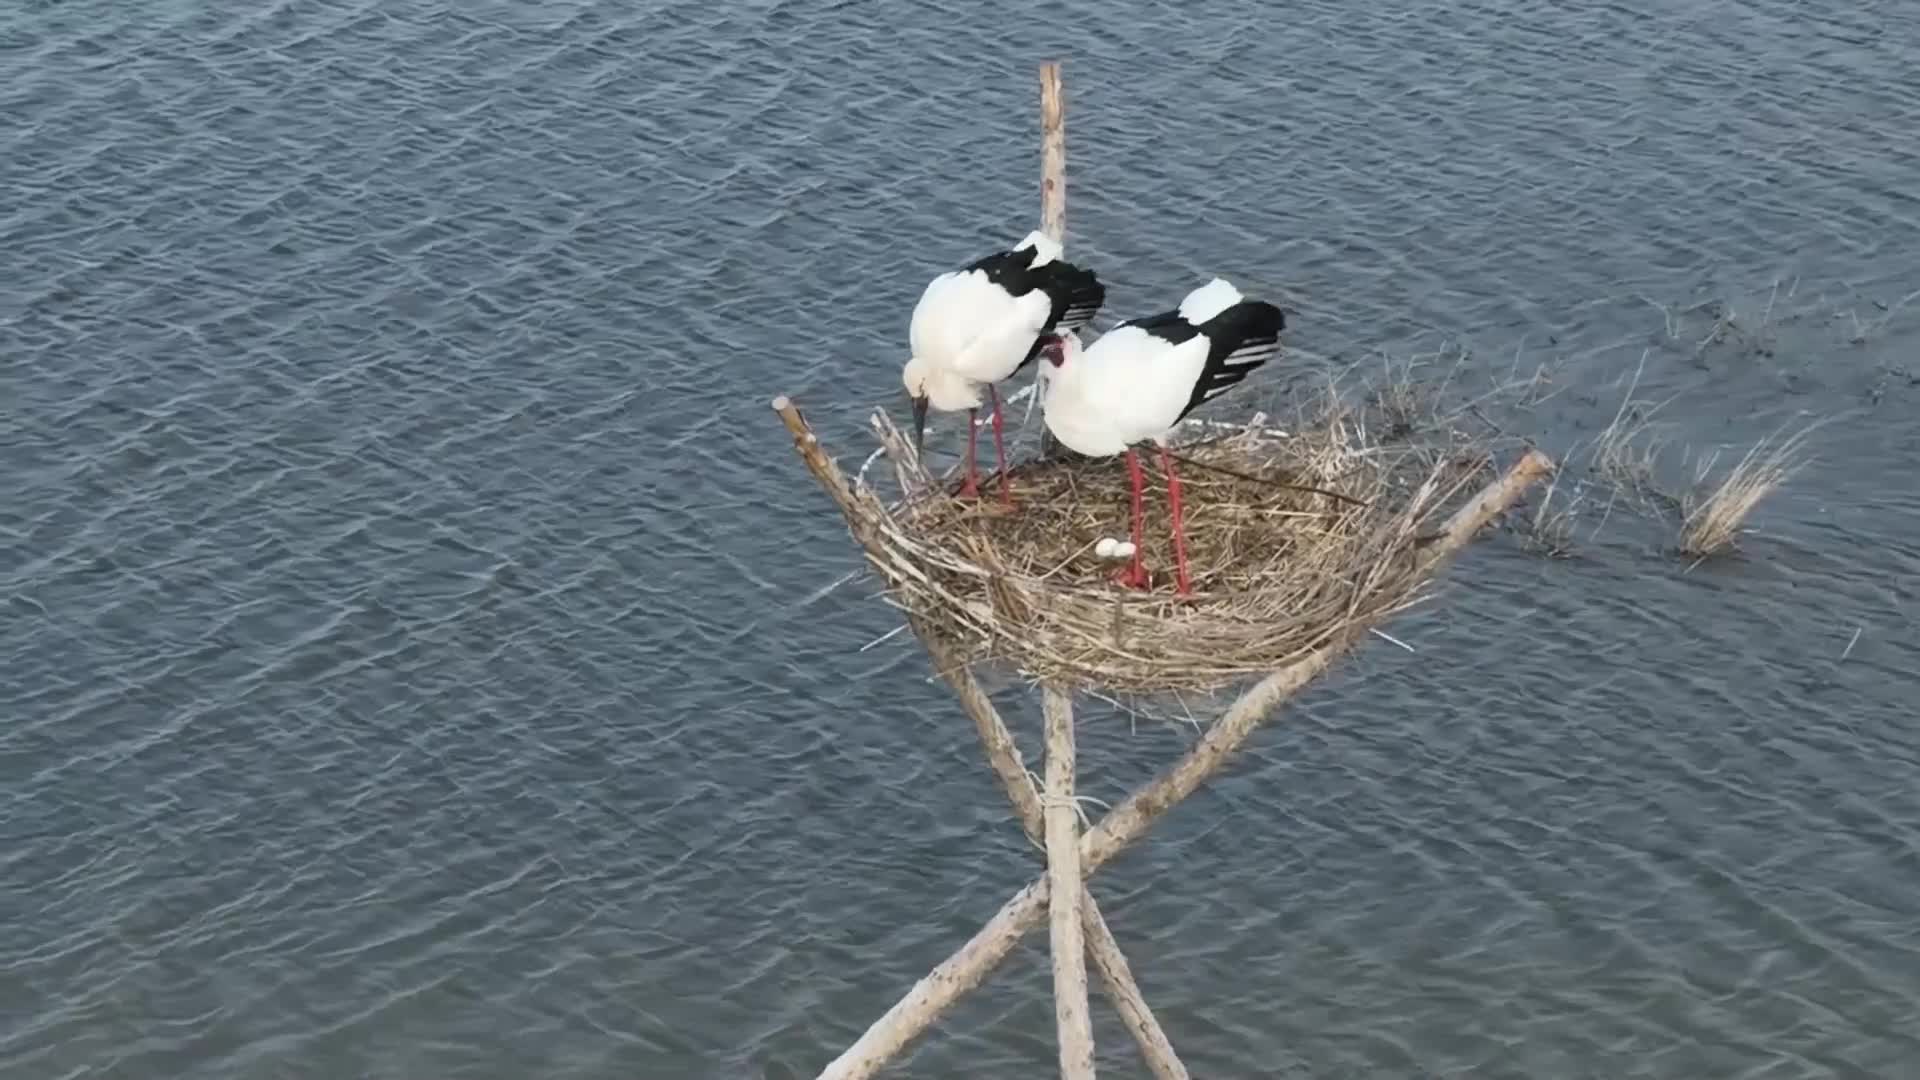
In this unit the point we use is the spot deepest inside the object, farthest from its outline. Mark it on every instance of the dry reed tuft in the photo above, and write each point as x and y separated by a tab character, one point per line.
1277	571
1626	455
1714	516
1549	531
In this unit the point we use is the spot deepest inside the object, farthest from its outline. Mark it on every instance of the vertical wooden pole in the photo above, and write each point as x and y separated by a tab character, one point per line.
1053	191
1070	1011
1053	154
1071	1014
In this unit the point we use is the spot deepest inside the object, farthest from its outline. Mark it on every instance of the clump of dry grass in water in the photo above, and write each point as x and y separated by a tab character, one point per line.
1277	571
1549	531
1625	455
1624	460
1401	402
1715	514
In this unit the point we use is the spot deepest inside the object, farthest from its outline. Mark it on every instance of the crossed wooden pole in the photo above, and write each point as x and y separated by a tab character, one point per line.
1079	933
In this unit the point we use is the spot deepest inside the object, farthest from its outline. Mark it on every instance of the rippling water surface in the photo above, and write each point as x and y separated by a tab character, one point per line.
416	656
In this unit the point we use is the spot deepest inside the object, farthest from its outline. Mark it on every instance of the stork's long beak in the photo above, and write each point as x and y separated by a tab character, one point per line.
919	423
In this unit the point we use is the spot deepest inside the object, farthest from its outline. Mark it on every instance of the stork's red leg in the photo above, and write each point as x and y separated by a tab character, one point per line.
1000	450
971	488
1135	575
1179	529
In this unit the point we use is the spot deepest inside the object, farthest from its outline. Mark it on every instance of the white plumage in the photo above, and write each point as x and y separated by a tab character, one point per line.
1127	388
971	326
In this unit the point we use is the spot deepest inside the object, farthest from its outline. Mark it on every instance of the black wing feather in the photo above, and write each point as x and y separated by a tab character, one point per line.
1239	340
1077	294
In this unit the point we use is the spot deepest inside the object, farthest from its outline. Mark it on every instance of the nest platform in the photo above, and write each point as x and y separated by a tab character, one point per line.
1288	581
1293	538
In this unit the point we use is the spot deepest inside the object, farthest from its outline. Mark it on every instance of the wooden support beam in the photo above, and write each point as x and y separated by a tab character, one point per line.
1071	1016
1116	976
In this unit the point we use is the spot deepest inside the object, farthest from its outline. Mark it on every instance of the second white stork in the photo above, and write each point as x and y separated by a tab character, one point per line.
977	326
1139	380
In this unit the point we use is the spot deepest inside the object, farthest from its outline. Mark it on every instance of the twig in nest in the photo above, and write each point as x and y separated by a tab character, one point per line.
1210	467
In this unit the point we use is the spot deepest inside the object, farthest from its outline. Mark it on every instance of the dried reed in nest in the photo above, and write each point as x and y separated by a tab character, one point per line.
1277	570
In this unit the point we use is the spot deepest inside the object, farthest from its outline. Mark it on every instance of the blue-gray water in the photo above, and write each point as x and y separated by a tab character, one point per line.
415	661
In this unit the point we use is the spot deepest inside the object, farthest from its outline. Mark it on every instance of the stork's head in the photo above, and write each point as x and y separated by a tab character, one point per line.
1057	354
914	376
928	384
1059	348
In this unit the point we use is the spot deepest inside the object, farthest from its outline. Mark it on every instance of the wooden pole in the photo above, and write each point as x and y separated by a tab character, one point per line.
971	964
1071	1016
1053	153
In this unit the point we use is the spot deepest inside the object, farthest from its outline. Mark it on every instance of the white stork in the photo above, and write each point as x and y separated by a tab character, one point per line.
1141	378
978	325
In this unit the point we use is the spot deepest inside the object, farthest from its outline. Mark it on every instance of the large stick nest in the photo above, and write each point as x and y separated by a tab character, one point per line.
1277	571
